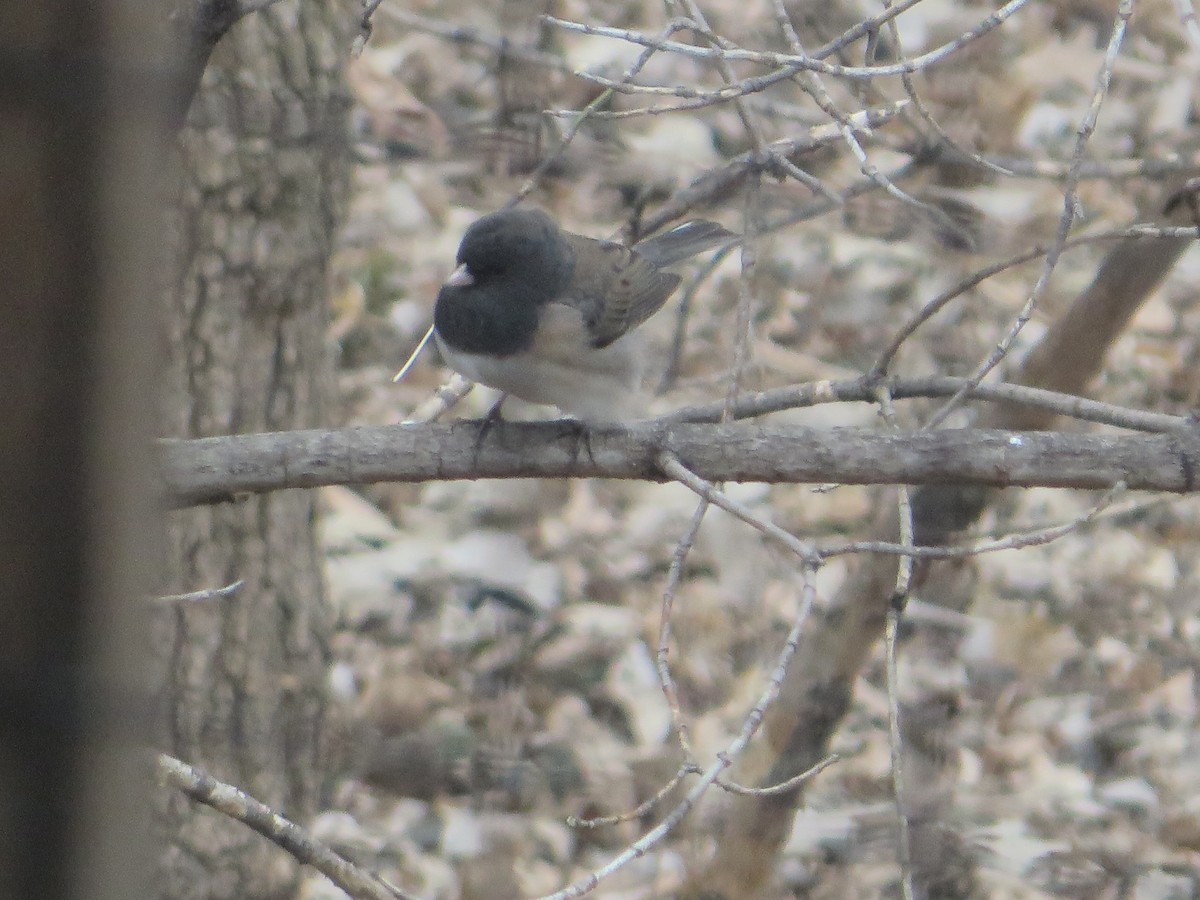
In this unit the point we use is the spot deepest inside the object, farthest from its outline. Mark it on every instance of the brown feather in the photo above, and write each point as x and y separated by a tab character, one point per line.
614	288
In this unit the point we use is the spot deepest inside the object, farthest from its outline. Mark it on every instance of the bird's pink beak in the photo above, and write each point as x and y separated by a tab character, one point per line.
460	277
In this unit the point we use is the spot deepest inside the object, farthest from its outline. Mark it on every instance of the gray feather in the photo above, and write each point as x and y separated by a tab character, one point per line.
684	241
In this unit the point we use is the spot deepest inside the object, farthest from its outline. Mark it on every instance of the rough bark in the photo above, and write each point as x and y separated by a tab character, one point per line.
265	167
218	470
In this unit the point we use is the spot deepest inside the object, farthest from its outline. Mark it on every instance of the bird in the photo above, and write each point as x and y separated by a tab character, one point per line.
552	317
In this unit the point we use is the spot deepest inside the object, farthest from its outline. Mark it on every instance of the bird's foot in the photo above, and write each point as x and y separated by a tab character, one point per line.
580	434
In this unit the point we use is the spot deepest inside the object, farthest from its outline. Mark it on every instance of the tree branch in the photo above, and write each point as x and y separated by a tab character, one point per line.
216	469
237	804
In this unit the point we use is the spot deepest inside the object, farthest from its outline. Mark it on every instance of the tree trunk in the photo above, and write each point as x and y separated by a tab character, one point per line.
265	163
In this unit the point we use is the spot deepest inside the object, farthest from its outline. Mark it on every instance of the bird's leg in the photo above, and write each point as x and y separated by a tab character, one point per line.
581	434
487	423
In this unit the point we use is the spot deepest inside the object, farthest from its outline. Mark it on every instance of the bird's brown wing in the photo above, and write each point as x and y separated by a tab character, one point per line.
614	288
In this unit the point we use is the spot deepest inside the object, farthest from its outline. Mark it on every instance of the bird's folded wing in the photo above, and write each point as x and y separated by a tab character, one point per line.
615	289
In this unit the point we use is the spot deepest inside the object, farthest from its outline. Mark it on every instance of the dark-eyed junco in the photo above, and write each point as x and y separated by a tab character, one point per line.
551	317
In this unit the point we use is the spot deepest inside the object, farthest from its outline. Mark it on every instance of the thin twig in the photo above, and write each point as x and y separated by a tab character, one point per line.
584	114
365	27
904	845
1087	128
683	311
1031	538
724	760
1101	169
862	390
442	400
784	787
662	654
884	361
644	808
198	596
671	465
910	89
753	131
465	34
237	804
779	60
864	28
904	572
745	307
813	86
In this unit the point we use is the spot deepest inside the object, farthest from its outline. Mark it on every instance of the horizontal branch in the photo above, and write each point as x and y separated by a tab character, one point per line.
211	470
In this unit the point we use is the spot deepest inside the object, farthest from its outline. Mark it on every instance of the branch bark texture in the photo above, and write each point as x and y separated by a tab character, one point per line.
218	469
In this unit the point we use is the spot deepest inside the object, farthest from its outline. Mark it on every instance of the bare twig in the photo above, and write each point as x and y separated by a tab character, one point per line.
582	116
721	181
1031	538
1087	127
444	399
863	390
884	361
904	572
864	28
812	85
465	34
723	761
910	89
670	464
753	132
808	63
199	596
1102	169
226	799
895	748
683	549
745	307
784	787
642	809
683	311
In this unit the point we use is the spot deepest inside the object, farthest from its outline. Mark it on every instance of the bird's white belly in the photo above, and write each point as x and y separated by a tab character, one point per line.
596	386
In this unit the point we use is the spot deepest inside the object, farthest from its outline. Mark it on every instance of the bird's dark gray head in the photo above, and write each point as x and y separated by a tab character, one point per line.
511	264
517	244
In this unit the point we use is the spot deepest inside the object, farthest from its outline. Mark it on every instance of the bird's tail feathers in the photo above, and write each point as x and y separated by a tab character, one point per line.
684	241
